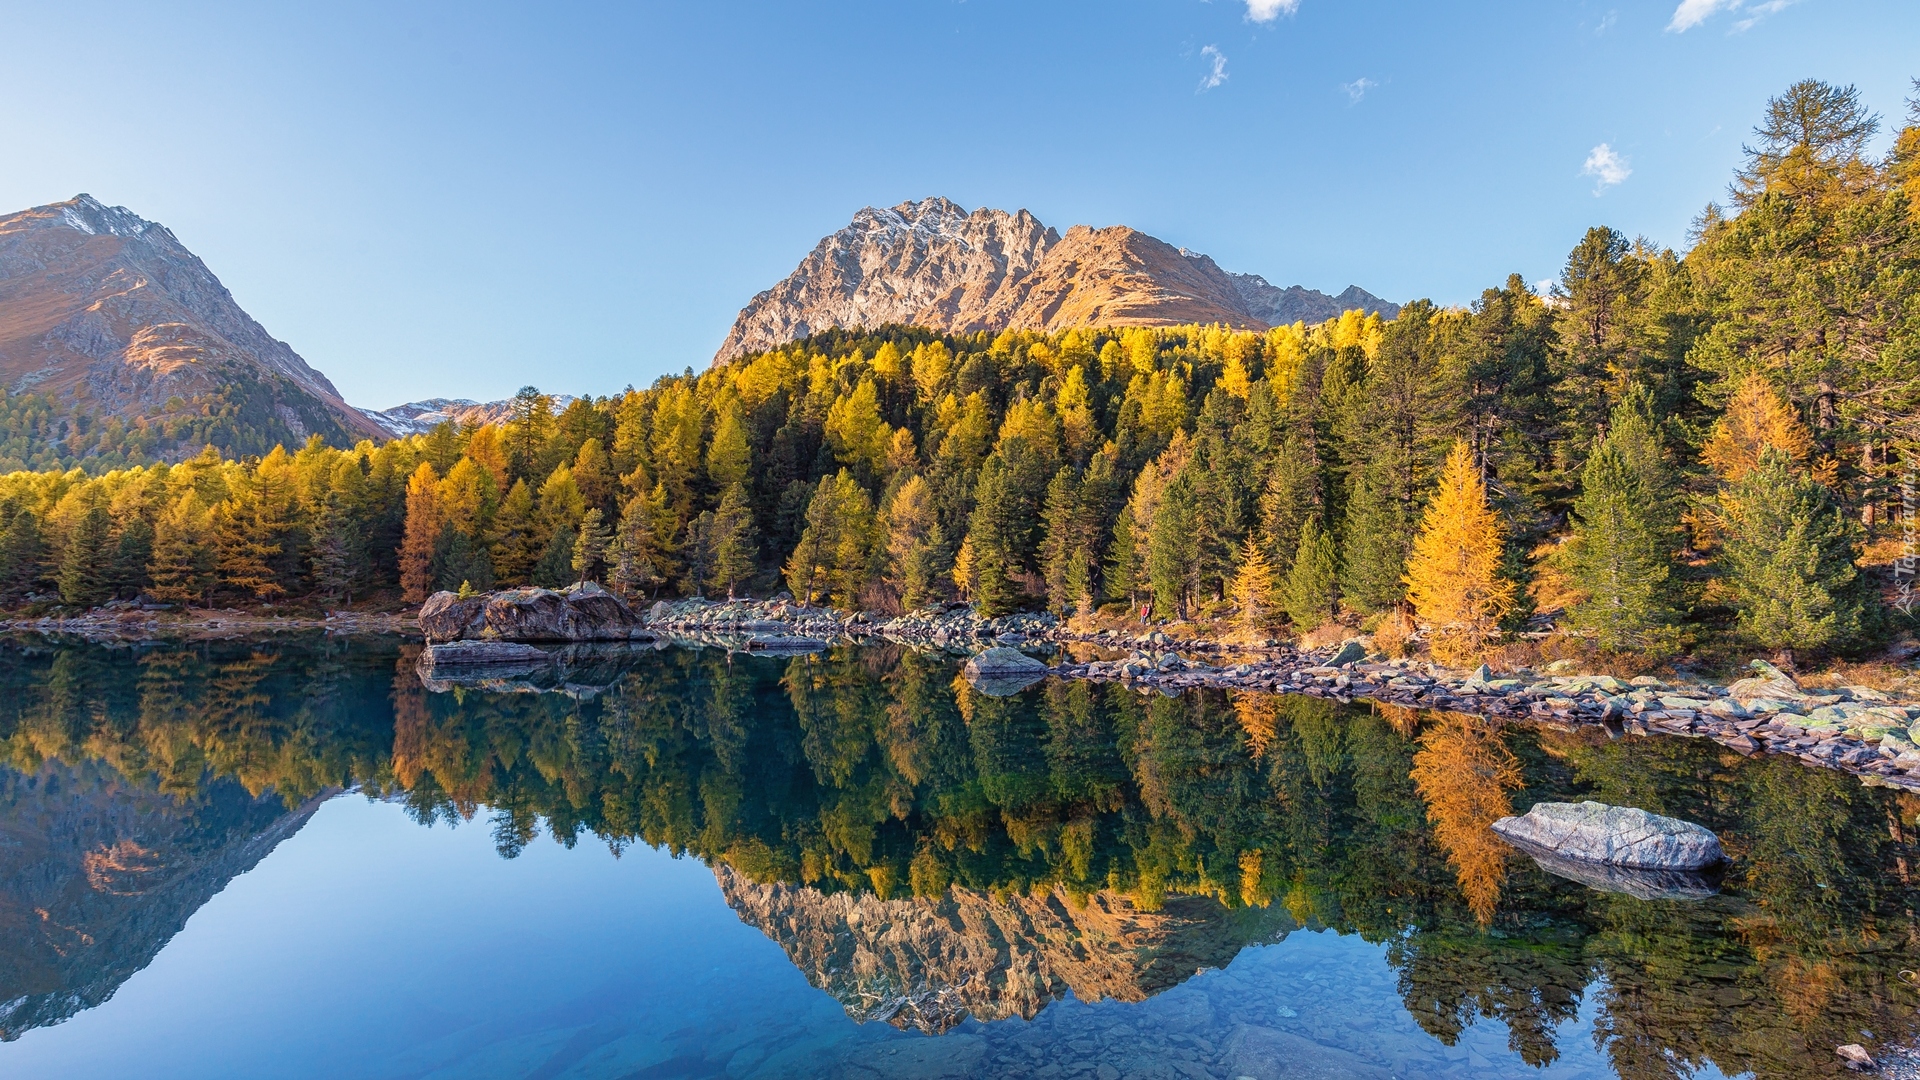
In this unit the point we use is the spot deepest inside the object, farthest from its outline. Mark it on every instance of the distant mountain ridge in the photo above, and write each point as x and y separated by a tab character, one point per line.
932	263
110	315
420	417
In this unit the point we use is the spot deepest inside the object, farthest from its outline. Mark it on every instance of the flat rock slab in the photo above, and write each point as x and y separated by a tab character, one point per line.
1620	836
1002	662
490	653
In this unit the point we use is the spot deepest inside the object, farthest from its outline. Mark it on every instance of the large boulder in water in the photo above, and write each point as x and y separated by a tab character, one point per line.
1622	836
1003	672
583	612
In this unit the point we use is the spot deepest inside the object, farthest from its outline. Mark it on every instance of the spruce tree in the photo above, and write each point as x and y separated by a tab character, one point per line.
1312	588
84	564
736	545
1373	544
554	568
1789	556
1621	552
1173	550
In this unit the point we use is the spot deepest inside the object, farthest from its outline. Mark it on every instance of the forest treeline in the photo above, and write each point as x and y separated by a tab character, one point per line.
1663	445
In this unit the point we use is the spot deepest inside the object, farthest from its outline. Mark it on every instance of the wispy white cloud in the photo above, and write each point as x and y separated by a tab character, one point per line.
1218	74
1605	165
1358	88
1269	10
1692	13
1760	11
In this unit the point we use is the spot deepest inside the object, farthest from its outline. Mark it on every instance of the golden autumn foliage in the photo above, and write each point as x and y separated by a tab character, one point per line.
1756	420
1259	716
1453	578
1465	775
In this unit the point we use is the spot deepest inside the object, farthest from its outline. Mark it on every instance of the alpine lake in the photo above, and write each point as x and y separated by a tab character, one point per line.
296	857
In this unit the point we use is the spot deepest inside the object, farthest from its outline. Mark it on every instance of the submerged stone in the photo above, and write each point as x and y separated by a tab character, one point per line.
1620	836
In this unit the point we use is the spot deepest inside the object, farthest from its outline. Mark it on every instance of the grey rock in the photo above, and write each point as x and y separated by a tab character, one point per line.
1615	835
785	643
466	653
584	612
1003	661
1350	653
1768	683
1632	881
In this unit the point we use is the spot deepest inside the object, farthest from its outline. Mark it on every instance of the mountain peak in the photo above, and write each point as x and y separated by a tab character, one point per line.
109	313
930	262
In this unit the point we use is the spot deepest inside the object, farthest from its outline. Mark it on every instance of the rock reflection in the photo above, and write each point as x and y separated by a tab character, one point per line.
926	852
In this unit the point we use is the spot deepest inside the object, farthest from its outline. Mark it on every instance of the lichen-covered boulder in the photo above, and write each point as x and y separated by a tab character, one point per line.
1766	684
1614	835
583	612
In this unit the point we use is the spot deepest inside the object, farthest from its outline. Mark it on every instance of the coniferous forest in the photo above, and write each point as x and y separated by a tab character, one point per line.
1665	447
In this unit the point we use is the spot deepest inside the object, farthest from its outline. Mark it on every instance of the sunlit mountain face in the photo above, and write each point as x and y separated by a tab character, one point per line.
1201	874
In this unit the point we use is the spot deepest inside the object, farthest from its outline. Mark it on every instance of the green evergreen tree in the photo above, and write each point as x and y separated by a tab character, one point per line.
1374	545
1789	557
1312	591
85	563
554	569
1624	533
1173	550
590	545
736	544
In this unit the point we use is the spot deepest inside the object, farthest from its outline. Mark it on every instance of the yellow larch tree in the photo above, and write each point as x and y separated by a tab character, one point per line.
1756	420
1453	578
1466	776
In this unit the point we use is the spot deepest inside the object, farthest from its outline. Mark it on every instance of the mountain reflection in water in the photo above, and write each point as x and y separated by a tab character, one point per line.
927	854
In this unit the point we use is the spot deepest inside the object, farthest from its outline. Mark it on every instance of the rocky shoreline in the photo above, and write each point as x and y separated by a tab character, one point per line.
1854	729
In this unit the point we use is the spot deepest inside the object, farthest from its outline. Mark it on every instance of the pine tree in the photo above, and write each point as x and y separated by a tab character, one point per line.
834	557
1313	590
1290	499
422	534
1253	589
591	544
132	550
23	553
554	568
1453	578
638	561
1621	552
736	543
1789	555
1374	544
1173	550
1063	542
84	564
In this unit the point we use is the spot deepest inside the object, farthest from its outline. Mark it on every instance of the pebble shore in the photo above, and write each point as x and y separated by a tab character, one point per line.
1854	729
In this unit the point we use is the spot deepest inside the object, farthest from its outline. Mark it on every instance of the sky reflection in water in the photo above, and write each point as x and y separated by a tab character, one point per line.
366	945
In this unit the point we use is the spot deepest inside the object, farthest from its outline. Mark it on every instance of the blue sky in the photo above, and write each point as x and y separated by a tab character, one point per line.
459	199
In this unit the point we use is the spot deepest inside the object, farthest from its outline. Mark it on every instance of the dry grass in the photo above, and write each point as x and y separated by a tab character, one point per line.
1325	634
1394	635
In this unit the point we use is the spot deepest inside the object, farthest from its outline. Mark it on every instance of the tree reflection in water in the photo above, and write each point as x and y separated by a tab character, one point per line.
876	773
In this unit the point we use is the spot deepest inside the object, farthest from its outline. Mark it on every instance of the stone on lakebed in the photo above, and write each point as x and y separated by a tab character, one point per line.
1612	835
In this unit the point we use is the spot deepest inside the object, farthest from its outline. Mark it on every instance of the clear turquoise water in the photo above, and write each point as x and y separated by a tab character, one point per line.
368	944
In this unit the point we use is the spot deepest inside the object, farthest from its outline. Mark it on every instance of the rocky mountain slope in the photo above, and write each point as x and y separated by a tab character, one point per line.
927	965
97	874
932	263
109	314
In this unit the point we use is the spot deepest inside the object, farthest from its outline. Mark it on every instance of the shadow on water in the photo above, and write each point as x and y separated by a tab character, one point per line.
937	858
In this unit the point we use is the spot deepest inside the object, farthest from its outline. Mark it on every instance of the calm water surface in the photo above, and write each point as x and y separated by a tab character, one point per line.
299	859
